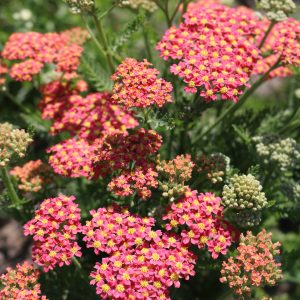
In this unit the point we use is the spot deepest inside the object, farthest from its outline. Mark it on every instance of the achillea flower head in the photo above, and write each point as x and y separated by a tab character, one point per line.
213	51
68	58
21	283
202	214
277	10
244	192
81	6
254	265
148	5
137	85
12	142
54	230
26	70
214	167
32	176
76	36
275	150
3	72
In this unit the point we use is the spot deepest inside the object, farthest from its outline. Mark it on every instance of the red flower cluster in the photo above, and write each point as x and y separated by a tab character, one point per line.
202	214
213	51
254	265
32	175
143	263
137	85
21	283
54	230
35	49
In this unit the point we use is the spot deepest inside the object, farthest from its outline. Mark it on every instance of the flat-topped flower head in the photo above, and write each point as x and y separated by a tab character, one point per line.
12	142
148	5
212	51
32	176
254	265
81	6
21	283
54	229
137	85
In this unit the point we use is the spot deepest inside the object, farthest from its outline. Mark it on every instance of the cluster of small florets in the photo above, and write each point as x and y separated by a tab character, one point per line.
21	283
143	262
3	72
12	142
214	167
274	150
81	6
277	10
148	5
27	53
175	173
54	230
137	85
213	51
202	214
254	266
32	176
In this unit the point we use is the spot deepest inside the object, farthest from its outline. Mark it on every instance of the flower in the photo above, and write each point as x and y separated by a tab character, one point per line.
12	142
148	5
137	85
213	51
54	228
254	265
21	283
81	6
25	70
202	216
32	175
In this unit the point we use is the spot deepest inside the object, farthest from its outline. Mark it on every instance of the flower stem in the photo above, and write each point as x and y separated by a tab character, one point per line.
77	263
10	187
272	24
176	10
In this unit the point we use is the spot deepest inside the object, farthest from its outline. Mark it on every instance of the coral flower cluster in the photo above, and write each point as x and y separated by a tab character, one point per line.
212	50
32	176
143	262
137	85
12	142
29	52
21	283
254	265
202	216
54	228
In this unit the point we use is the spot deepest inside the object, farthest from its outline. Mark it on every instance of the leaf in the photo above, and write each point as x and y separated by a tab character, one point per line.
242	133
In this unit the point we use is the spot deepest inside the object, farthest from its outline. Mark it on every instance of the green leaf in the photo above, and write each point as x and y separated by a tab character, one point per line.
242	133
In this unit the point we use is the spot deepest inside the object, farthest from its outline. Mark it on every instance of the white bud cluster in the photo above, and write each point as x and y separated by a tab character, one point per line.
148	5
81	6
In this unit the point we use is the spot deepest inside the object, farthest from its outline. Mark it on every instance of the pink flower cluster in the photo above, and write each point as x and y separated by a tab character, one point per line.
254	265
54	230
137	85
21	283
213	51
143	263
29	52
202	215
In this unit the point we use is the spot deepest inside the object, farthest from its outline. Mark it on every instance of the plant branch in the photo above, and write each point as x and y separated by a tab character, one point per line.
10	187
272	24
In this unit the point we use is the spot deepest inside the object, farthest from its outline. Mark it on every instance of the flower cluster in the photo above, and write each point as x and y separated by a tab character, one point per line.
214	167
254	265
213	51
143	263
29	52
3	71
277	10
32	176
137	85
12	142
202	214
274	150
21	283
148	5
81	6
175	173
54	230
244	196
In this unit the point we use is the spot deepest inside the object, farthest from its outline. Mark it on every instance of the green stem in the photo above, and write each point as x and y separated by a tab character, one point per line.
165	11
103	42
272	24
234	107
77	263
14	100
176	10
147	43
10	187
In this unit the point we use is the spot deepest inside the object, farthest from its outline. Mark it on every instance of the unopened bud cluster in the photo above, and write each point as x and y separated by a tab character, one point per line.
281	152
244	194
277	10
214	167
12	142
81	6
148	5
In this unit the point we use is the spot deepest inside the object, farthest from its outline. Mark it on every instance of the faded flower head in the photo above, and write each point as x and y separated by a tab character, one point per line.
148	5
12	142
283	152
21	283
277	10
81	6
254	265
54	229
